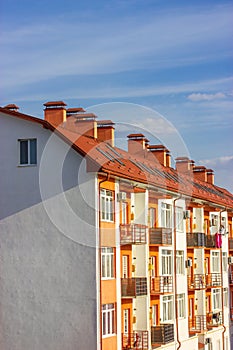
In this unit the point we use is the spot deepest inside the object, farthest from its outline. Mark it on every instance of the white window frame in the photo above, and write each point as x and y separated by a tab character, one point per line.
215	261
181	305
166	215
106	205
107	262
124	213
224	262
167	308
166	262
29	148
225	297
180	270
126	321
154	315
108	320
216	299
179	219
152	217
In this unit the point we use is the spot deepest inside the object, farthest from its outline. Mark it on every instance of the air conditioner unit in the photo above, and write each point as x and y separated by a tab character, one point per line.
186	214
121	196
230	260
208	341
188	263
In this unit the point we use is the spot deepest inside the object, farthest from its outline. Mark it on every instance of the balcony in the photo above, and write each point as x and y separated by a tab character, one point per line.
196	239
160	236
197	323
161	284
230	243
196	282
214	319
210	241
162	334
133	234
213	280
138	340
133	287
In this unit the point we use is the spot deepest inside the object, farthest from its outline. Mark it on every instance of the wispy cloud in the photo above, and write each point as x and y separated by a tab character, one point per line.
205	97
219	161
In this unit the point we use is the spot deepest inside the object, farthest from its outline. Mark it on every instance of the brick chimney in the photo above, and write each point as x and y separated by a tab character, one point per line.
160	153
55	112
184	165
137	144
105	131
12	107
86	124
210	176
200	173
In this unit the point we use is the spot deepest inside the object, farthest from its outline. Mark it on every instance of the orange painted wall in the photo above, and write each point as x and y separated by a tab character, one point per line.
109	343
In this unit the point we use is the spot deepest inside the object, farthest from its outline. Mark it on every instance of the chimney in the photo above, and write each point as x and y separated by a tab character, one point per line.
168	159
137	143
159	152
210	176
86	124
55	112
106	131
12	107
200	173
184	165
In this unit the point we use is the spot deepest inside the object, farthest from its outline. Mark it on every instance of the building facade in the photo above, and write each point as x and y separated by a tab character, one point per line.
102	248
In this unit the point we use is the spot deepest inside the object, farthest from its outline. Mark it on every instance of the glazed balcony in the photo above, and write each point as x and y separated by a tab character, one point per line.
197	323
138	340
160	236
196	239
162	334
213	280
196	282
230	243
214	319
161	284
133	287
133	234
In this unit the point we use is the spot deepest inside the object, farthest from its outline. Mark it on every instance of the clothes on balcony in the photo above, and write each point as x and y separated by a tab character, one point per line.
218	240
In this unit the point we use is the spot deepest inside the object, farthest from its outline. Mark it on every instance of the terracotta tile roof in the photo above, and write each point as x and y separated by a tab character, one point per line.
104	158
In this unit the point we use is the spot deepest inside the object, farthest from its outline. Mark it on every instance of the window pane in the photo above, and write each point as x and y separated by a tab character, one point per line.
33	151
24	152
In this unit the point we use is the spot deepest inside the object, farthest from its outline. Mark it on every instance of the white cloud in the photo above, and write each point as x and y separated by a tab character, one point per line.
219	161
206	97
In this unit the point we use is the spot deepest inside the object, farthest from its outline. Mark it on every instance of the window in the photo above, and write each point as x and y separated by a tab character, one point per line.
181	305
125	266
216	295
166	215
126	321
224	261
225	297
179	219
167	308
180	262
107	258
108	319
215	261
28	152
166	256
152	217
106	205
154	310
124	209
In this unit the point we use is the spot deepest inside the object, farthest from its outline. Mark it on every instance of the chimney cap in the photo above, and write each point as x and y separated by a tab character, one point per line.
157	148
75	110
104	123
85	116
136	136
11	107
55	104
183	159
199	168
209	171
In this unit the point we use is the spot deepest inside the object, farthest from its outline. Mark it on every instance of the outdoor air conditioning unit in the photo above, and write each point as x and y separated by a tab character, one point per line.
188	263
208	341
186	214
121	196
230	260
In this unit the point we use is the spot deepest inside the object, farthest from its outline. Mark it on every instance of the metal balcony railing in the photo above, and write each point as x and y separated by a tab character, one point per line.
133	287
133	234
196	282
160	236
197	323
213	280
138	340
210	241
230	243
162	334
161	284
196	239
214	319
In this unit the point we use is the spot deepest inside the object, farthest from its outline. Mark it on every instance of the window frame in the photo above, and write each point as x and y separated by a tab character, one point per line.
108	320
179	219
180	269
181	305
166	262
107	263
167	310
216	299
215	261
106	205
30	150
166	215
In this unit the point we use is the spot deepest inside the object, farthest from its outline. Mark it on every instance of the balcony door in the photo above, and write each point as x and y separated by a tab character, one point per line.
125	266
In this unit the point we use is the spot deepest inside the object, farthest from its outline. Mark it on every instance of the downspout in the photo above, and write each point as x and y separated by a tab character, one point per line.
175	277
100	265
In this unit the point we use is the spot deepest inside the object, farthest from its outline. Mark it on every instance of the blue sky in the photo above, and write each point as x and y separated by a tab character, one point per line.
174	57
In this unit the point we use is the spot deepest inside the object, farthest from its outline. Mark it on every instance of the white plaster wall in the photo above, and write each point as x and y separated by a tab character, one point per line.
48	296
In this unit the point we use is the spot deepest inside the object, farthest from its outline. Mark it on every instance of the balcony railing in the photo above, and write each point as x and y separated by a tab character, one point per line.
162	334
230	243
161	284
197	323
196	239
210	241
138	340
213	280
214	319
197	281
160	235
133	287
133	234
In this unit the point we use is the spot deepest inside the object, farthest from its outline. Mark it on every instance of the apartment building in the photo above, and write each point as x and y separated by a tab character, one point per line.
103	248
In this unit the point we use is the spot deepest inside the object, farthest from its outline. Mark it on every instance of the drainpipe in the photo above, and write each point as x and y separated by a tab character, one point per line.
175	277
100	265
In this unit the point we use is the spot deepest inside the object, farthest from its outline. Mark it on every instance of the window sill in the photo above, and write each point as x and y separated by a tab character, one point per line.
108	335
26	165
